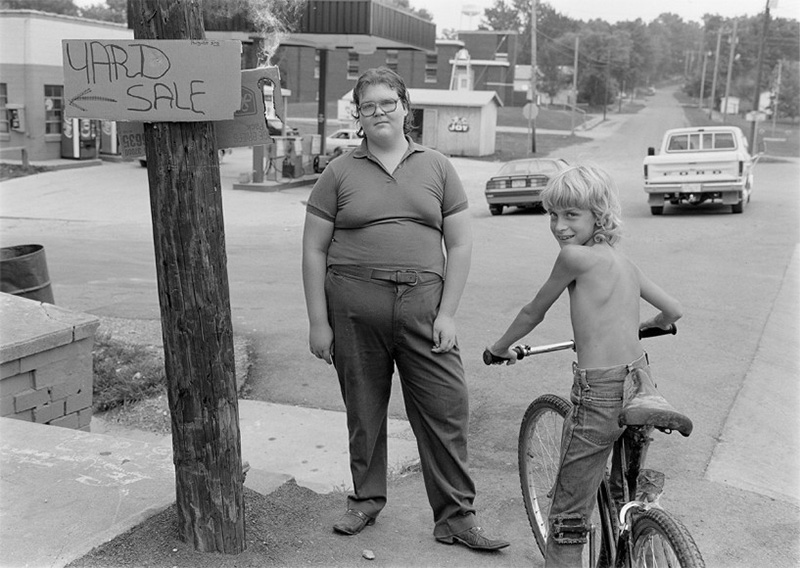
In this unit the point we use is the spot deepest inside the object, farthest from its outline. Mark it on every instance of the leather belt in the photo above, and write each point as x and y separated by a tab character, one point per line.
409	277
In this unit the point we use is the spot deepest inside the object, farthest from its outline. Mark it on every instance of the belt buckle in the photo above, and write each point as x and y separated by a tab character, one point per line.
409	277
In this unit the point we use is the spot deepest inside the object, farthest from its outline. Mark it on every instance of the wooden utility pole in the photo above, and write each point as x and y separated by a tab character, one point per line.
191	268
759	68
777	96
731	57
532	120
574	83
716	70
703	81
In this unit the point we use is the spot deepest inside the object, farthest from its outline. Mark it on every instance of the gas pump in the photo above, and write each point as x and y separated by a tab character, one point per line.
79	139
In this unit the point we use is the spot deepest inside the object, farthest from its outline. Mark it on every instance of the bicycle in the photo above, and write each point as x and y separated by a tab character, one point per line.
641	533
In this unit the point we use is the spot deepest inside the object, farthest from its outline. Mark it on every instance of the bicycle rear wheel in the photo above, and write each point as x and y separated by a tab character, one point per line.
660	540
539	453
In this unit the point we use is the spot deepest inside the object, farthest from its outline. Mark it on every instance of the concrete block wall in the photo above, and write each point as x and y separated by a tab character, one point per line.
46	363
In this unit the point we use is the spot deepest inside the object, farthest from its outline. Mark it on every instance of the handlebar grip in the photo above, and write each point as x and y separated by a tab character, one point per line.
490	358
656	331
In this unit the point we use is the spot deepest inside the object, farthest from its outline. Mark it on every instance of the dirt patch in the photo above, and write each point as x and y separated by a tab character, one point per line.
289	527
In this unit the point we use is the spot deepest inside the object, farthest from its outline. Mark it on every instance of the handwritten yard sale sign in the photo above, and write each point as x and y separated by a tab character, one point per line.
152	80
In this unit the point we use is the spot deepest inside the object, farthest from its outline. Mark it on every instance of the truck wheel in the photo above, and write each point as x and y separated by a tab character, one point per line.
656	209
496	209
737	207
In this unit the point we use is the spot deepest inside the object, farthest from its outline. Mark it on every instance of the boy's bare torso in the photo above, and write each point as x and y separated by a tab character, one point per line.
604	307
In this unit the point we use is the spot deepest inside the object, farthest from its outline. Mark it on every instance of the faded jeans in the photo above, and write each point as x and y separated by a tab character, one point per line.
590	431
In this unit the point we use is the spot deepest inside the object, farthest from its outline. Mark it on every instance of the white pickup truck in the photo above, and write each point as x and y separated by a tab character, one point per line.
699	164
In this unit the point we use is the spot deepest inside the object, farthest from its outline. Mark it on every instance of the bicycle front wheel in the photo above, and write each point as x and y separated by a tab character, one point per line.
660	540
539	454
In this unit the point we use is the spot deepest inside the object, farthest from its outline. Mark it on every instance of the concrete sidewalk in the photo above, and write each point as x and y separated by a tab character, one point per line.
766	407
65	492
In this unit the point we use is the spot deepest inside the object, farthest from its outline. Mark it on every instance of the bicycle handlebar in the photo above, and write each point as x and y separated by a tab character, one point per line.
523	351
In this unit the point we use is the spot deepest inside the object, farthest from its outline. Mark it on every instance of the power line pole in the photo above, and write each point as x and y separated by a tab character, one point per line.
731	57
703	81
757	95
608	78
714	81
777	96
532	121
575	82
193	294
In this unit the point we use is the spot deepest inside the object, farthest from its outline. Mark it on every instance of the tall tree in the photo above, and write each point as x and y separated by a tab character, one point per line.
789	94
502	16
406	5
111	11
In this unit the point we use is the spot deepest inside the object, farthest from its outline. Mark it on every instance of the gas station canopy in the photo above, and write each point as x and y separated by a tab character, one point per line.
360	25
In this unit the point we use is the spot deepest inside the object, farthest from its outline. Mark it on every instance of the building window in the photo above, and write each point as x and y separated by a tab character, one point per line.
431	67
53	108
352	65
391	59
3	104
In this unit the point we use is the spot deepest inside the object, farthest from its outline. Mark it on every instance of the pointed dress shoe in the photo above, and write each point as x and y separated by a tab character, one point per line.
474	538
353	522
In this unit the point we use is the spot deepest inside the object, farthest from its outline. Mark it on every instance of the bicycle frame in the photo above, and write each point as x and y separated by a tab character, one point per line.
632	453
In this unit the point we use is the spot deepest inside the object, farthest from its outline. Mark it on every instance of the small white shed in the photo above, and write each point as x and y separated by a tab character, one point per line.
729	105
457	123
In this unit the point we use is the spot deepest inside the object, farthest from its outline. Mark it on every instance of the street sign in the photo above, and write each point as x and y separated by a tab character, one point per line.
530	111
151	80
249	124
248	127
755	116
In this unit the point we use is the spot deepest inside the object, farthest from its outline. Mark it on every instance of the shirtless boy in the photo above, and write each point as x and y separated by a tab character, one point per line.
604	290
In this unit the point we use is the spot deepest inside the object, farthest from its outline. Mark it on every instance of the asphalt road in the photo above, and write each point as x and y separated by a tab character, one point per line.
726	269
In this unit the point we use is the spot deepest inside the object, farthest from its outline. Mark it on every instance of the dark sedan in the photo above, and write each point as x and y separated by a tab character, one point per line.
519	183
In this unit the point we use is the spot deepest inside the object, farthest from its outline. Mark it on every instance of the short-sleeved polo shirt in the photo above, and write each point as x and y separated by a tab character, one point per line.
388	220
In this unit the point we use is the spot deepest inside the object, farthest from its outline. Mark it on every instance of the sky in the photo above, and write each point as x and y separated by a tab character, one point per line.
456	13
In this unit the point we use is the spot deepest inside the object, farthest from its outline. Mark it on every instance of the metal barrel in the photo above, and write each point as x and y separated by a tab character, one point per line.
23	272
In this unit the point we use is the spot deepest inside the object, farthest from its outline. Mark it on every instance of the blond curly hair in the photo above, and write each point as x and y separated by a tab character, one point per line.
592	189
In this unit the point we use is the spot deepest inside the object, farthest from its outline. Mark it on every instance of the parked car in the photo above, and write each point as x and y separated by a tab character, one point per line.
275	128
519	183
342	139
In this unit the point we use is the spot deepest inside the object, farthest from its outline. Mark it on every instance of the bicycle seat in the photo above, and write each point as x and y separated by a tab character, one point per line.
644	406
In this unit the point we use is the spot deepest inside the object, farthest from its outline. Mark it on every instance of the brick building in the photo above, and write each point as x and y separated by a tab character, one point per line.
32	77
492	57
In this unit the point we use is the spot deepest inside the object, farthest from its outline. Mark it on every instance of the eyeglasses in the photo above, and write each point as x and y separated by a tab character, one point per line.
369	109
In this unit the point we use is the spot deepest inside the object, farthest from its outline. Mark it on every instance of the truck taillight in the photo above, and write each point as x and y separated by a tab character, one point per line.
741	168
645	171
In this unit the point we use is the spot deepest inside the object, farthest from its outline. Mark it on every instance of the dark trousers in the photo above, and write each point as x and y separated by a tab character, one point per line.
379	324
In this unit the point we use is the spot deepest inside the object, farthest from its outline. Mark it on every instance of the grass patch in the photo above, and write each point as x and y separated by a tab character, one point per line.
512	146
125	373
11	171
782	141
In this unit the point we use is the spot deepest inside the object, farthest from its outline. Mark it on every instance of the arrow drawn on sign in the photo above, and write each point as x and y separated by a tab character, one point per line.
81	97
